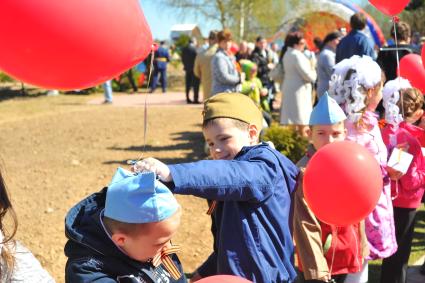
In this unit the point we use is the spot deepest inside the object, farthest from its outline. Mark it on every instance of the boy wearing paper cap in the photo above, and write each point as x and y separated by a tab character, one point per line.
325	252
251	184
123	233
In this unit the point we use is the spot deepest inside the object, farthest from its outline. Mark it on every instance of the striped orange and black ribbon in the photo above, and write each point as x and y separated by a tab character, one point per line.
212	207
164	258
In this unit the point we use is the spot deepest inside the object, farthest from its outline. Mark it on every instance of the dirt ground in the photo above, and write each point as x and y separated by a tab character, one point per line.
57	150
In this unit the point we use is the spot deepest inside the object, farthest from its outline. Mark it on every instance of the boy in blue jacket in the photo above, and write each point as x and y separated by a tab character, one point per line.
122	234
251	183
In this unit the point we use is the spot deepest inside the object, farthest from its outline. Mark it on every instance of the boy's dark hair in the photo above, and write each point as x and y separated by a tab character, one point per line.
241	125
131	229
358	21
413	100
403	31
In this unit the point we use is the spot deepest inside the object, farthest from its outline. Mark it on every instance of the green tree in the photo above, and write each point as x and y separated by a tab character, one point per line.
415	15
246	18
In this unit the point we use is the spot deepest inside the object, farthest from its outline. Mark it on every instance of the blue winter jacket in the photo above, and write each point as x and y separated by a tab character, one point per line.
93	257
355	43
252	216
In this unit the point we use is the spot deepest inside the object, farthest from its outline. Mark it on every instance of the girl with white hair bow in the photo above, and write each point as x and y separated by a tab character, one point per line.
401	100
356	85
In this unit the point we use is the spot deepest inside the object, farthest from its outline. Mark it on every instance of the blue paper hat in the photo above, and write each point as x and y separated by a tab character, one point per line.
327	112
138	198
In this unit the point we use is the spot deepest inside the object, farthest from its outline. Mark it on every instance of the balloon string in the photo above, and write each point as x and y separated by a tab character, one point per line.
398	63
333	252
145	111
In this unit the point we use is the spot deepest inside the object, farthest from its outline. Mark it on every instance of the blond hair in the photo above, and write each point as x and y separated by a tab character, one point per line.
413	100
130	229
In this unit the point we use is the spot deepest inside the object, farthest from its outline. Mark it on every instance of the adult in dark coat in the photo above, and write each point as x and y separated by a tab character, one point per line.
356	42
192	81
263	59
387	57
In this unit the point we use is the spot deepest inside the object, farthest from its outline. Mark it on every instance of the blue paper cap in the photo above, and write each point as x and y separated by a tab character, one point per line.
138	198
327	112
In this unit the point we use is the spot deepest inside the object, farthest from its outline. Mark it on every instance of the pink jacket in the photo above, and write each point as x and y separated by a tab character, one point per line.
408	191
379	224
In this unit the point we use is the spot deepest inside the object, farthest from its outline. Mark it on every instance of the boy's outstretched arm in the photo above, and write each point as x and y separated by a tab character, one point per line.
252	180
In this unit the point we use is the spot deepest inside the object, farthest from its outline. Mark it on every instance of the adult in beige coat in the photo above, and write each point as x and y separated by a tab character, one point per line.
296	88
202	67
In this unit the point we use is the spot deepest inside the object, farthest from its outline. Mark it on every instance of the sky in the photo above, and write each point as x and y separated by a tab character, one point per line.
161	20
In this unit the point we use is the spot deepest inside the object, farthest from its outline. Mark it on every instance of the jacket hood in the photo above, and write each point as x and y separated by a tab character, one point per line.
85	231
248	67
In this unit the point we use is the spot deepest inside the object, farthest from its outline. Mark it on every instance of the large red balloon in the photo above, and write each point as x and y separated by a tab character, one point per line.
389	7
342	183
423	55
411	68
223	279
71	44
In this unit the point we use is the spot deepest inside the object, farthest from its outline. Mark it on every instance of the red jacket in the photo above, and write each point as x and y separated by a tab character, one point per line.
324	249
408	190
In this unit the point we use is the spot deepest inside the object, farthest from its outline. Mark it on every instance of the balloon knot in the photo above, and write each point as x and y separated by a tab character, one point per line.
396	19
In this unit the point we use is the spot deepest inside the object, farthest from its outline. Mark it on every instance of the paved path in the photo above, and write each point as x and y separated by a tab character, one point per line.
138	99
413	275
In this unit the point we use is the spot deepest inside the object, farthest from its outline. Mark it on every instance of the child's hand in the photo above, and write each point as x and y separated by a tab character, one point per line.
394	174
264	92
404	147
153	165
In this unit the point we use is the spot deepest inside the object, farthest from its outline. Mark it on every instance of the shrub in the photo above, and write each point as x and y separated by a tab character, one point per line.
181	42
287	141
5	78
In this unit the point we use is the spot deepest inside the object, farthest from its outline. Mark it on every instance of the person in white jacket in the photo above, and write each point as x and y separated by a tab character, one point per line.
17	263
296	89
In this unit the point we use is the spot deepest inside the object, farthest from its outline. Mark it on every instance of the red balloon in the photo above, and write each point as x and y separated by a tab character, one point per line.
342	183
411	68
223	279
389	7
423	55
71	44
